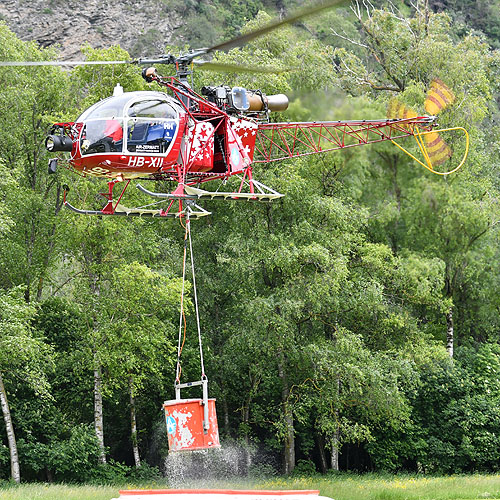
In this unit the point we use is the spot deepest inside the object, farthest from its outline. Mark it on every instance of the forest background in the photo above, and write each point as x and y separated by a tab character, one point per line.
351	325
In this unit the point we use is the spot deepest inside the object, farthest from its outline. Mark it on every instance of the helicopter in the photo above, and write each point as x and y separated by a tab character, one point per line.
191	138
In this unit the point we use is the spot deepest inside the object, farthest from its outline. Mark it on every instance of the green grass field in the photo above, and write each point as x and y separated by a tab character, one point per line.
338	487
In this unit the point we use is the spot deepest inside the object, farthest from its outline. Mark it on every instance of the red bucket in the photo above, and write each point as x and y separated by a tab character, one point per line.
184	419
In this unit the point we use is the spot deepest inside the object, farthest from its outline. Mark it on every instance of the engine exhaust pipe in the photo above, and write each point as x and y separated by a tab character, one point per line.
277	102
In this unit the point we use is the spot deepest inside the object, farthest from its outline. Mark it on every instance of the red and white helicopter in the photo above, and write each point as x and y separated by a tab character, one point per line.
192	138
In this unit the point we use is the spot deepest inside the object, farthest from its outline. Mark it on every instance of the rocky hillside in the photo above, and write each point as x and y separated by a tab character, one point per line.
144	27
141	26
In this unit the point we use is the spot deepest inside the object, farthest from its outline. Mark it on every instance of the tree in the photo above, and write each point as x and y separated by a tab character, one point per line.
323	314
400	53
291	258
454	416
452	232
38	93
98	246
483	16
354	390
140	307
23	354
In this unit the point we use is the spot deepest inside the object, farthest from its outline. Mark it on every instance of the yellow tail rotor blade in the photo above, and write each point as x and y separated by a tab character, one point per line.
396	109
438	97
437	150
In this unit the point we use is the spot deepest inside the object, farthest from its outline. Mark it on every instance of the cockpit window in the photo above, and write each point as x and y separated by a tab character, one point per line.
102	136
148	135
151	126
109	108
151	109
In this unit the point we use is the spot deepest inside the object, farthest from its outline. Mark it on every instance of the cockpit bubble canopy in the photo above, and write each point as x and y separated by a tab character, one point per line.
134	122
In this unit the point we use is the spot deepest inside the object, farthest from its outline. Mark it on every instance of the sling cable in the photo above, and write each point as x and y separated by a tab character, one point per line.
191	423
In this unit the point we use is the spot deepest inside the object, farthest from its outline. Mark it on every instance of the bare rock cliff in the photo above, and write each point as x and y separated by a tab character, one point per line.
142	28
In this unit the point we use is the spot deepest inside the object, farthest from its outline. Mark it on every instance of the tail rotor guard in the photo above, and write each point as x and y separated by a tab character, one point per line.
434	149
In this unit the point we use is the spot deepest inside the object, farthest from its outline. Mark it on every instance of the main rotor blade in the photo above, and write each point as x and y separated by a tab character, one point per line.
236	68
248	37
61	63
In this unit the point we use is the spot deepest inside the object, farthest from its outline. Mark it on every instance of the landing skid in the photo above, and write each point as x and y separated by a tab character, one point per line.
184	195
193	210
264	193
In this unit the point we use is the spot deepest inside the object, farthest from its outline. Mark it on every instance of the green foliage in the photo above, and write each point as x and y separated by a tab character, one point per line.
30	100
4	455
22	351
323	314
208	22
284	50
142	305
354	390
454	419
73	459
467	15
401	52
304	468
7	182
93	83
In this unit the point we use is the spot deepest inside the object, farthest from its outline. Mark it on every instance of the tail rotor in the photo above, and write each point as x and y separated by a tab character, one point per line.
433	147
439	97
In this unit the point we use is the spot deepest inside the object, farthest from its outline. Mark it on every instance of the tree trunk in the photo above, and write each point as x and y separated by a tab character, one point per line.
247	452
133	423
334	462
226	415
49	474
98	414
289	444
449	332
11	437
320	442
289	463
59	202
247	455
225	408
